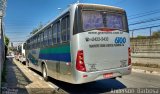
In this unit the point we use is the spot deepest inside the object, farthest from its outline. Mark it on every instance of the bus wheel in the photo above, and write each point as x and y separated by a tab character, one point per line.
44	73
114	78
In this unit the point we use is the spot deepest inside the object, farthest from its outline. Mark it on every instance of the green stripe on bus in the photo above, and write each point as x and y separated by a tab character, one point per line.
57	49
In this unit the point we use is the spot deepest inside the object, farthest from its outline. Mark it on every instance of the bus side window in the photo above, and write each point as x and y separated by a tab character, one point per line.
50	36
54	33
33	43
65	26
64	29
31	46
68	28
58	33
46	38
29	43
42	39
36	41
39	40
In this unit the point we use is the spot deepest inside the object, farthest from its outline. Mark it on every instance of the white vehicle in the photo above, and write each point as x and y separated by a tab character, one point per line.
22	57
87	42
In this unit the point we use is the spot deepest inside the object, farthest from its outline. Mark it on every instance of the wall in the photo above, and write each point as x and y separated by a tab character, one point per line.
145	50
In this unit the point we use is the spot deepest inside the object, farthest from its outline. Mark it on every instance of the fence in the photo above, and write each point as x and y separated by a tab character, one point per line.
145	39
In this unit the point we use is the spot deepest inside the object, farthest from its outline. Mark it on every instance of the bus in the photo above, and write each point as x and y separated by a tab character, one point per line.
85	43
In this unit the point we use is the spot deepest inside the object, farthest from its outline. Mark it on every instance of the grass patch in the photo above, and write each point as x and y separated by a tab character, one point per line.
146	65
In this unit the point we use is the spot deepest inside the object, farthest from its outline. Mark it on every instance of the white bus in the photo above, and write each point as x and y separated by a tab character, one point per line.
87	42
22	57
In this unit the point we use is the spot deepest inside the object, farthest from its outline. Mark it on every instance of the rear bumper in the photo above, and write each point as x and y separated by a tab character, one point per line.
84	77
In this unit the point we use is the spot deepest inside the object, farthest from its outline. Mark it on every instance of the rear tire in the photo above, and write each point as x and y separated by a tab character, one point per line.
44	73
114	78
24	62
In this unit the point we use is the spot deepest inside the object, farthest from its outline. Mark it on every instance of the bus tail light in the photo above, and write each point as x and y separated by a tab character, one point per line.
80	61
129	56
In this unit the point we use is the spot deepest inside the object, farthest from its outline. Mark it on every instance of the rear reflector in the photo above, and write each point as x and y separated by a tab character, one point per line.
85	76
129	56
80	61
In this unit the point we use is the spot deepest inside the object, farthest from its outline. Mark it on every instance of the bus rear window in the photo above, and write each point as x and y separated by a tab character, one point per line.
100	19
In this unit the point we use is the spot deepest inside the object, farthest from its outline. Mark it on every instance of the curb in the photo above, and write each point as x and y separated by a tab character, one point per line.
146	71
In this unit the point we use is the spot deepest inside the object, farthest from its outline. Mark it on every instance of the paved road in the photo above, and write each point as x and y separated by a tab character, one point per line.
140	80
134	80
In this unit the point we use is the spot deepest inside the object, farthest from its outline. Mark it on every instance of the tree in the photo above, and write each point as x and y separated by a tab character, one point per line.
36	29
6	41
141	37
156	34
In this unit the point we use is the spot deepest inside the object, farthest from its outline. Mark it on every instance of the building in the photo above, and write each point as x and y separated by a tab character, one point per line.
2	46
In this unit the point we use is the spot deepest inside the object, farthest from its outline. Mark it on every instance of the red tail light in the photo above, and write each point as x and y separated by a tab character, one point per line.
80	61
129	56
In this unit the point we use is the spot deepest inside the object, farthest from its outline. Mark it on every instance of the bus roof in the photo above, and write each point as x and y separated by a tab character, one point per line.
85	5
100	5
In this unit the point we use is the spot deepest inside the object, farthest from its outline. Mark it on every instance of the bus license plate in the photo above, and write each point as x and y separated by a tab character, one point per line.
108	75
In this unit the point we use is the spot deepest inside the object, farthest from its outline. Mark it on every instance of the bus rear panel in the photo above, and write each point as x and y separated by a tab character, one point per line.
100	43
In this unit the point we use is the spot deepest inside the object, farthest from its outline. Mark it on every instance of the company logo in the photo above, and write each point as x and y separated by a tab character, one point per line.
120	40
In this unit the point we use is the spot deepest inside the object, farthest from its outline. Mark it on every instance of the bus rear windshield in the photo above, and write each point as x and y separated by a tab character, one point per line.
101	19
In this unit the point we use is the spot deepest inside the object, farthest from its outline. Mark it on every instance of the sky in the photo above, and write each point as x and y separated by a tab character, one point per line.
22	16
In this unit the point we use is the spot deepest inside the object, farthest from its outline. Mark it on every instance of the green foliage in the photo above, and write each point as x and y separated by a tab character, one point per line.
6	41
36	29
156	34
141	37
